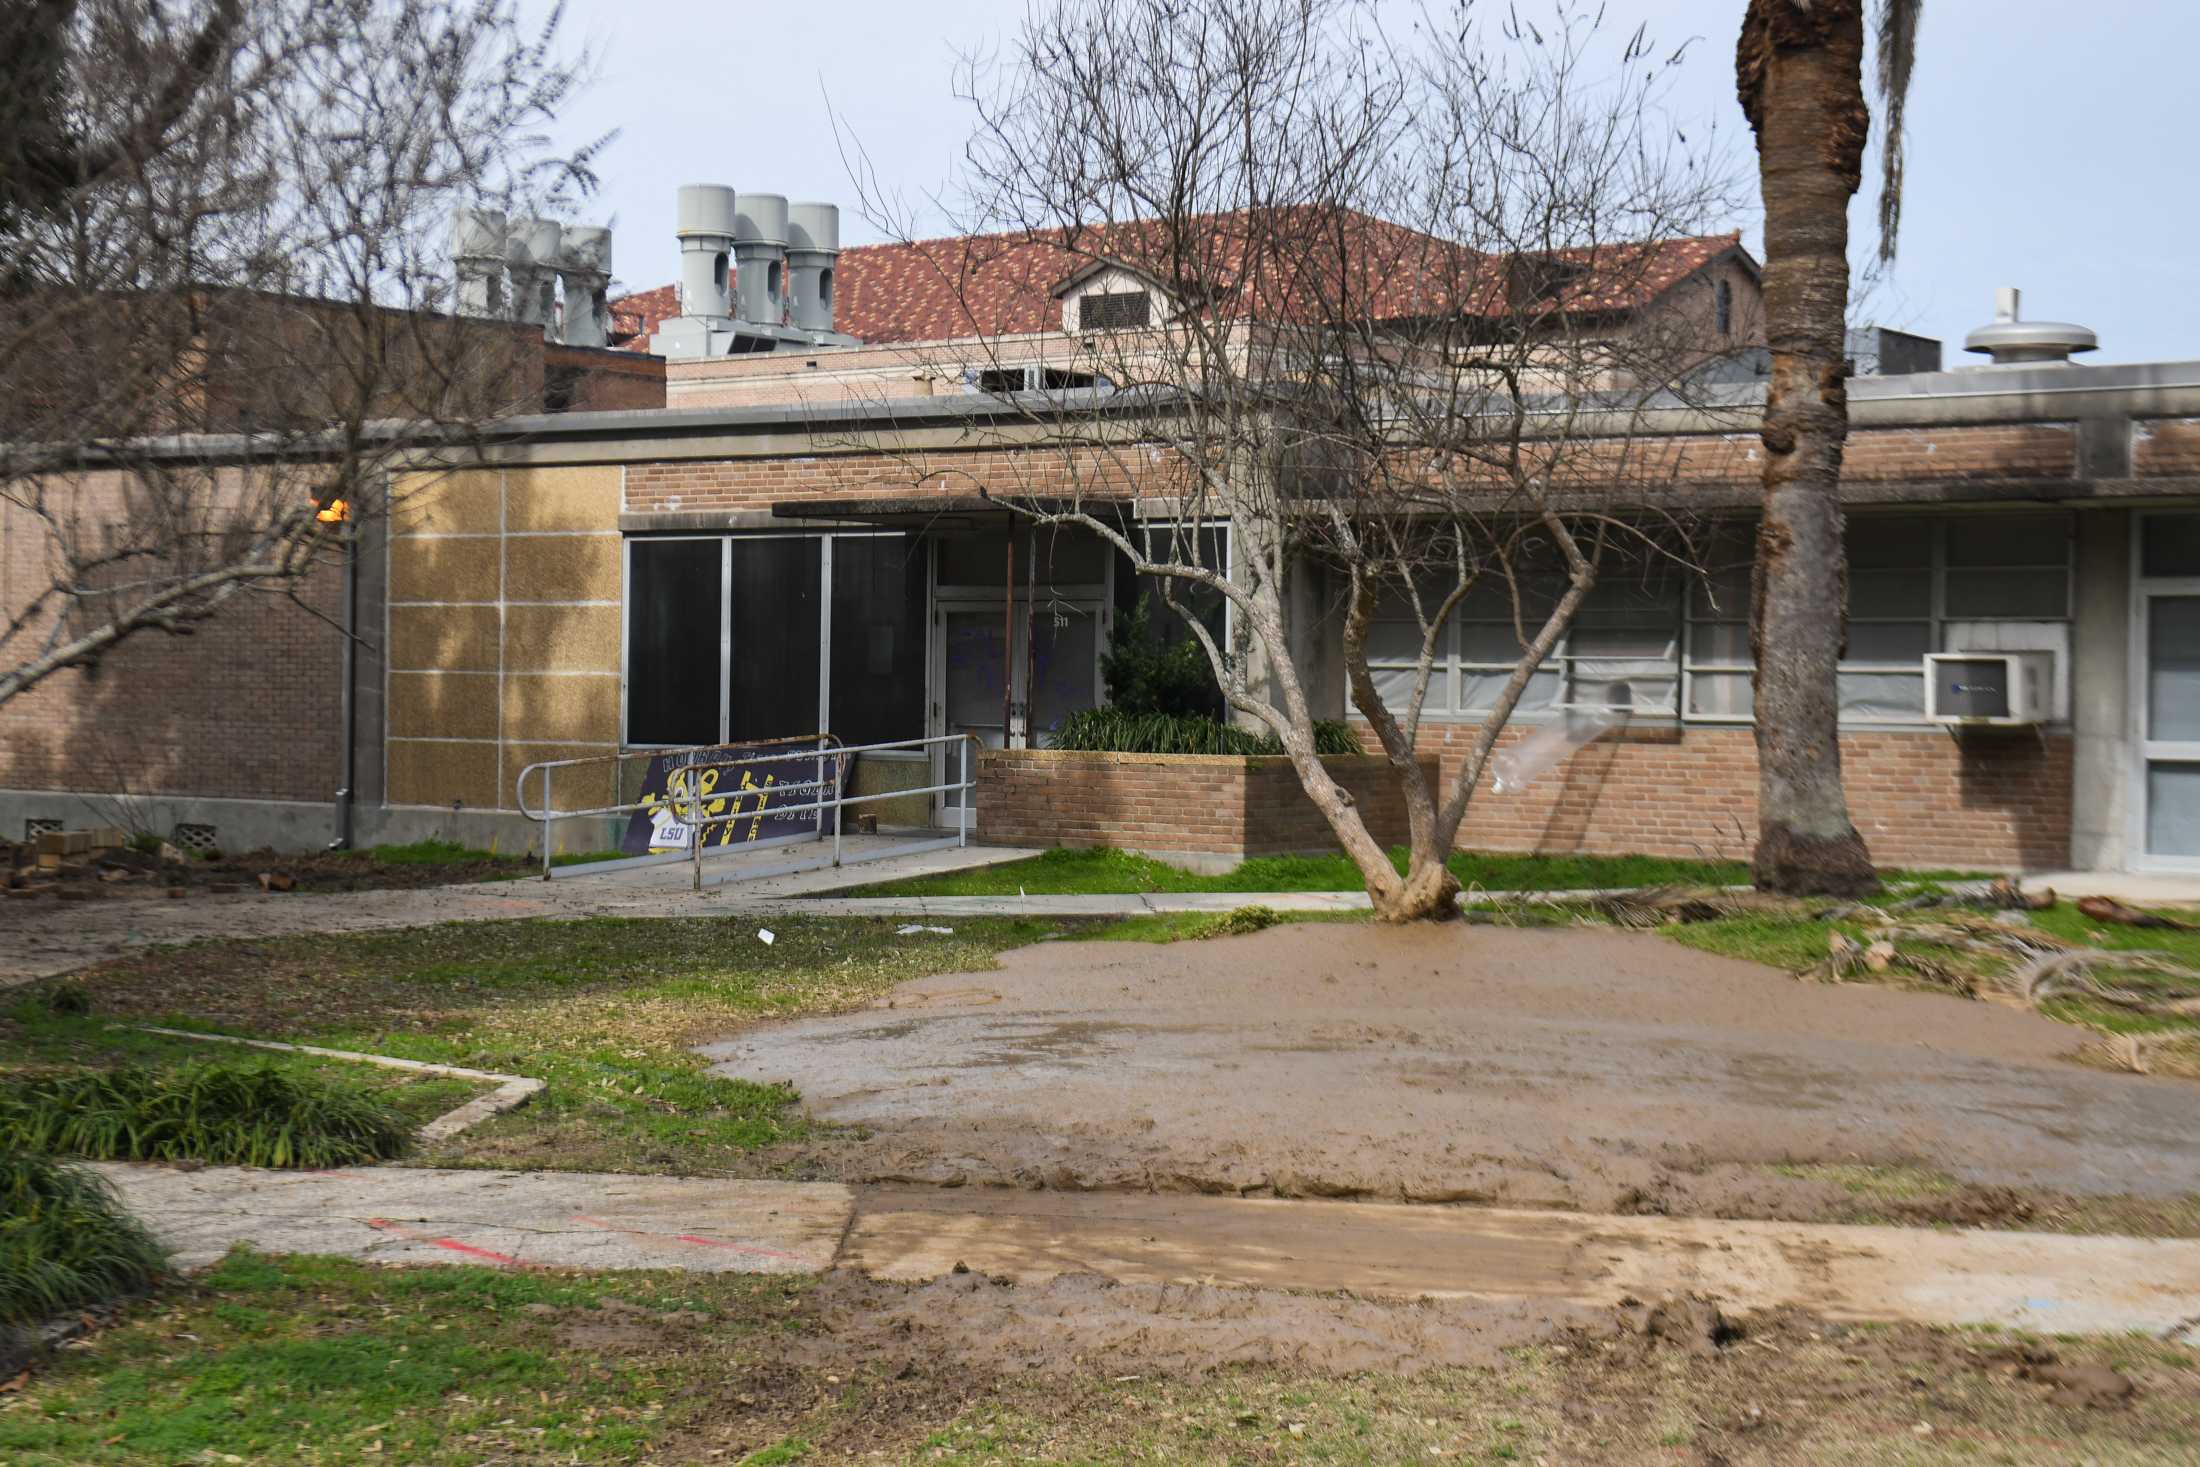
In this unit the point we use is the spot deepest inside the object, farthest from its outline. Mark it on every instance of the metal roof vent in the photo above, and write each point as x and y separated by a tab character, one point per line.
2011	341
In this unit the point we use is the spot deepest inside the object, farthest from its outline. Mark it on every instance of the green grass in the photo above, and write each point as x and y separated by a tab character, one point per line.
221	1112
455	853
65	1240
603	1010
37	1041
1100	871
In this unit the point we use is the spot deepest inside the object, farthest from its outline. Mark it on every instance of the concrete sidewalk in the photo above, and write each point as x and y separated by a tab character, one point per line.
576	1220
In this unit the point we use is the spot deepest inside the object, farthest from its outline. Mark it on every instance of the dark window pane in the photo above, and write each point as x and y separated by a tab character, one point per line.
773	686
1885	541
2013	593
2169	545
878	639
2014	539
672	624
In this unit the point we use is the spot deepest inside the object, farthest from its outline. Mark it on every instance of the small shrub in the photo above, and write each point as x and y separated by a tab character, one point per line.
67	999
1237	922
145	843
65	1240
1113	731
221	1114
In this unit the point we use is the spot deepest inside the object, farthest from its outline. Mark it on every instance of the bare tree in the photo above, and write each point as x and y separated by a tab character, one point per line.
224	300
1379	304
1799	69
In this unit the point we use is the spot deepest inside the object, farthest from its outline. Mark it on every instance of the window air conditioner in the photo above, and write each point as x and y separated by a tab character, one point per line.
1988	689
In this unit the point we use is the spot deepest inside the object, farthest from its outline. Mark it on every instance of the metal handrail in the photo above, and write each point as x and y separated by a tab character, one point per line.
689	804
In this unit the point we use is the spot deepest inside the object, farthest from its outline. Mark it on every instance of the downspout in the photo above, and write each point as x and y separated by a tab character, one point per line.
351	670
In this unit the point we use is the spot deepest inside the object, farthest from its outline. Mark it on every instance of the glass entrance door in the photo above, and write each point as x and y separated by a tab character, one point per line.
1052	669
2170	747
2166	633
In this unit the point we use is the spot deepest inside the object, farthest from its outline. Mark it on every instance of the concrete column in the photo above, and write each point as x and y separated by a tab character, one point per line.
2101	694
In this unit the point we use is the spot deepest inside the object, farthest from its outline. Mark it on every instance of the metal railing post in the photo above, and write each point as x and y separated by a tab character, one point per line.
549	823
962	805
837	796
691	793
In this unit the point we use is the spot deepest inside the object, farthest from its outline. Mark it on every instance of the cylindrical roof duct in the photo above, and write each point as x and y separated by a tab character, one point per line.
813	245
760	259
707	218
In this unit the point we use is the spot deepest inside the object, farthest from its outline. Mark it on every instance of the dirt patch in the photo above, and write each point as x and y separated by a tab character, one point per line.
1082	1321
1574	1068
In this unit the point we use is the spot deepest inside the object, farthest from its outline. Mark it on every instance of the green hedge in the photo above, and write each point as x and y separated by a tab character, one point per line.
65	1241
218	1113
1113	731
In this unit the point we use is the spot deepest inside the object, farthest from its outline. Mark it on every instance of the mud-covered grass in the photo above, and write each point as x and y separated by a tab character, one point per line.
605	1010
317	1361
1793	942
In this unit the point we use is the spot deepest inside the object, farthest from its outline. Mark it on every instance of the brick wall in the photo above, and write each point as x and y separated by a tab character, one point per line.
1207	804
2161	446
1981	800
759	483
245	708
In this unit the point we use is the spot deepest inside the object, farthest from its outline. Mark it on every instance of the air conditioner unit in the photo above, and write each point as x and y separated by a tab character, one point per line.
1989	689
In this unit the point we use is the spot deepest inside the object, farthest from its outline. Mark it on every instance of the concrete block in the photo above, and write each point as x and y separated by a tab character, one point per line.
561	639
444	570
443	705
444	638
438	773
567	498
463	502
562	568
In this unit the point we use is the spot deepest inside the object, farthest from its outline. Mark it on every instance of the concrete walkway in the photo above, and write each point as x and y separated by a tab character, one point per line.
577	1220
44	938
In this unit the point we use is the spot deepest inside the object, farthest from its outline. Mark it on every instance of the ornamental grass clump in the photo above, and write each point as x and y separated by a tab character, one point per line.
217	1113
65	1240
1114	731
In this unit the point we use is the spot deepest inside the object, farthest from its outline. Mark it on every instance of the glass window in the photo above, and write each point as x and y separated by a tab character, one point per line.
2169	545
2173	669
772	688
878	638
673	621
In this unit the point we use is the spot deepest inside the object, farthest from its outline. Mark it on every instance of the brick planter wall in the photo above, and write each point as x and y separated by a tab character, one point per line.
1207	804
1985	799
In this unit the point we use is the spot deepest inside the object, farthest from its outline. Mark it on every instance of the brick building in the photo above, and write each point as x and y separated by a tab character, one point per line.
812	537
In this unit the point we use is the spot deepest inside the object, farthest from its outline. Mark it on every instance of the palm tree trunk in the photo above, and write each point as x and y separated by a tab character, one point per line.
1799	73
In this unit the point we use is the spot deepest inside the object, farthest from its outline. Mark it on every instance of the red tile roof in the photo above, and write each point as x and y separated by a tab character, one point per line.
998	284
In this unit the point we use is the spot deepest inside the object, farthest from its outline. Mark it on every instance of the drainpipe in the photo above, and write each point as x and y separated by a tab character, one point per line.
1008	640
351	668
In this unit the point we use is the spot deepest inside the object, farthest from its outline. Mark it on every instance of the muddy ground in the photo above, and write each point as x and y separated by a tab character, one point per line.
1086	1370
1577	1068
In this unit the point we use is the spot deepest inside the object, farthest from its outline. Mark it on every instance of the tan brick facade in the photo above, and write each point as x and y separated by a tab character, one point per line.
247	707
1985	799
1202	804
2165	446
733	485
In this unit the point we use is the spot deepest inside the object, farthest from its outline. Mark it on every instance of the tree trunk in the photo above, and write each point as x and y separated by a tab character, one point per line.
1799	73
1429	892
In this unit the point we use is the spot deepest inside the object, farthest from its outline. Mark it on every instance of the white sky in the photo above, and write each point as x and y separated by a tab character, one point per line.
2049	143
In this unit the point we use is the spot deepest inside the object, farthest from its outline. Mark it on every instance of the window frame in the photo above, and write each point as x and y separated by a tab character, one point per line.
823	539
1936	619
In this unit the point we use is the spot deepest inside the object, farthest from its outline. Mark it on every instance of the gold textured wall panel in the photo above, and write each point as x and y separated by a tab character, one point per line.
577	787
562	568
445	638
444	569
427	772
447	705
561	639
562	709
465	502
583	498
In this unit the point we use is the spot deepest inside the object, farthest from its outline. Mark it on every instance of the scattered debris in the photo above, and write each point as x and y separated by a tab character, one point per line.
764	935
911	929
2108	909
